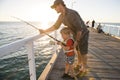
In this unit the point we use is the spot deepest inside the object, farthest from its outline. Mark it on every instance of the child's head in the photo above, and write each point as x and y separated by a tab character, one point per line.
65	32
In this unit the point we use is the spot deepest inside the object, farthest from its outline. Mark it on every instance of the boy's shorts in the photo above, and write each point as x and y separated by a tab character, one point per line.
69	59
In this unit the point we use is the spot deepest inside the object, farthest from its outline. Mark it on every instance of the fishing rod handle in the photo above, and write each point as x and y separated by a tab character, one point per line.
62	43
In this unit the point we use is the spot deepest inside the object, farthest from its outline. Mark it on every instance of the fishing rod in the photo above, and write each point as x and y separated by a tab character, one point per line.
26	22
38	29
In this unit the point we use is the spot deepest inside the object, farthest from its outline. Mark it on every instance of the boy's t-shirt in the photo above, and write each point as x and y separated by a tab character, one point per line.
70	44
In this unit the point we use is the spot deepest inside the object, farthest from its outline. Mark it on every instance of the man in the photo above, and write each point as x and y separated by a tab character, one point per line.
73	21
99	28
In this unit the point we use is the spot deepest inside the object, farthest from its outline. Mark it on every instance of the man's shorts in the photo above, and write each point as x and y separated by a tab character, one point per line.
83	44
69	59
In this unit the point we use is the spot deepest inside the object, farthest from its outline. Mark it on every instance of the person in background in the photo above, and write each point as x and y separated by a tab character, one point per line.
93	23
74	22
69	52
99	28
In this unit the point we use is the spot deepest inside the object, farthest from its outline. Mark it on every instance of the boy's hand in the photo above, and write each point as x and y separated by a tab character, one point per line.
59	43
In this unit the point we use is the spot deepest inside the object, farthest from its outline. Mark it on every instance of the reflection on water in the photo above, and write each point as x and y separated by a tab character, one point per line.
12	31
15	66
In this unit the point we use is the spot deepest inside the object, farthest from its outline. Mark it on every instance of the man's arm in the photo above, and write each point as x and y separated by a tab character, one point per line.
78	36
50	29
47	30
55	26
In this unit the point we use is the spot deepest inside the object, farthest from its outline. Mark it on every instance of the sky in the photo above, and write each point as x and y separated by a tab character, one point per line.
39	10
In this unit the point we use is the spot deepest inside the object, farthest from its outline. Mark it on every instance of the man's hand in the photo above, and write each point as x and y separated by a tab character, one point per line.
41	31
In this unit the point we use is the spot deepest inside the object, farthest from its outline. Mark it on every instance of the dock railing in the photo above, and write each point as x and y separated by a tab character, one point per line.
113	30
15	46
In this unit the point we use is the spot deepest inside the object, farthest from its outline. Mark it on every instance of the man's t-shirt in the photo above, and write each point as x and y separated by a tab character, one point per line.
72	20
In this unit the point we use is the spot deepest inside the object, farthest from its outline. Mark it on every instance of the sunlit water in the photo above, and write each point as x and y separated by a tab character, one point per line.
15	66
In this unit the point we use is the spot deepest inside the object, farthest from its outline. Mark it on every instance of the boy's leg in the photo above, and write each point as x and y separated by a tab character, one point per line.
66	71
66	68
72	73
71	66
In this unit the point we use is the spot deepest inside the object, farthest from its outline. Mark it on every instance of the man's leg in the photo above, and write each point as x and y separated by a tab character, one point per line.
84	62
84	52
79	58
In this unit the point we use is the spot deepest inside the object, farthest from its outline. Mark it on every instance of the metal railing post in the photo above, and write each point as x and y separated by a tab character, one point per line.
108	29
118	32
31	60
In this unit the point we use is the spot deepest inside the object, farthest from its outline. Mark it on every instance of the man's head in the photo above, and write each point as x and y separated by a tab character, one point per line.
57	5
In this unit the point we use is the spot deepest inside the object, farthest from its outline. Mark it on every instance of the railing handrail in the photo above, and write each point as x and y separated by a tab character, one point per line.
108	29
14	46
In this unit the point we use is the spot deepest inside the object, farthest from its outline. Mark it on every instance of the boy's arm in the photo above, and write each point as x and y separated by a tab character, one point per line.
47	30
65	47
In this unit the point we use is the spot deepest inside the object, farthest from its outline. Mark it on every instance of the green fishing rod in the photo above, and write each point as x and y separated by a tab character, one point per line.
38	29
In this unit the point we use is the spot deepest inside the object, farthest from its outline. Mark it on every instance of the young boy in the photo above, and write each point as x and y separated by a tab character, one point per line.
69	52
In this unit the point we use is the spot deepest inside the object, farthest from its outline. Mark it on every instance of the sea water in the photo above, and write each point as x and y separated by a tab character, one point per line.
15	66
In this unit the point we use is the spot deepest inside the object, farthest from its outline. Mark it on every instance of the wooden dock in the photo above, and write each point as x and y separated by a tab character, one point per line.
103	59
